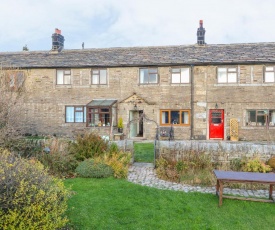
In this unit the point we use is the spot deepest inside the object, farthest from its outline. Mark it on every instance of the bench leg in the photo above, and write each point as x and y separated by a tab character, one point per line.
217	187
270	191
220	193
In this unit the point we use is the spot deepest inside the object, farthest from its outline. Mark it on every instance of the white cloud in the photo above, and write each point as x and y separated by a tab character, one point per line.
108	23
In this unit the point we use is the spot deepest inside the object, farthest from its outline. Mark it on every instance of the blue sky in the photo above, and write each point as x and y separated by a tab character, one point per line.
123	23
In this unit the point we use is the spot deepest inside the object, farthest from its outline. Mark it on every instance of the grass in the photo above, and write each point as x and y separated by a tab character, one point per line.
144	152
118	204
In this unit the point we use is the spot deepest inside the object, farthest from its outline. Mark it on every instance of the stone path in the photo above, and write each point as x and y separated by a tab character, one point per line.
144	174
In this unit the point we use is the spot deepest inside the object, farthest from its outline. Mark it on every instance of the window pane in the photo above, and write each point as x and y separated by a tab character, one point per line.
269	76
252	116
67	72
143	76
232	77
69	114
153	78
153	70
78	116
95	71
95	79
184	117
175	70
176	78
269	68
232	69
78	108
105	110
84	114
67	79
175	117
103	77
222	75
59	77
185	75
165	117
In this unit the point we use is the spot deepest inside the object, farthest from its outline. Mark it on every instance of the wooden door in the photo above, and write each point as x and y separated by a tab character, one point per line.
216	124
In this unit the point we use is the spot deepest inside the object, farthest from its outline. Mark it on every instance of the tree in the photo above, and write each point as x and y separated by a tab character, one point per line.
12	87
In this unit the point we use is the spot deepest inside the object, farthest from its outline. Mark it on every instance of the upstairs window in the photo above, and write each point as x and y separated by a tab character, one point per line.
227	75
269	74
75	114
63	77
175	117
99	77
15	79
180	75
148	76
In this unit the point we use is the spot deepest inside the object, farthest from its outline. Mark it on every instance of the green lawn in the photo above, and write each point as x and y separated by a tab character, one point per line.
144	152
118	204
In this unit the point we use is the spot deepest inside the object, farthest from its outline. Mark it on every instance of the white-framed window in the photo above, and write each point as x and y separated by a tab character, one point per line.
260	117
148	76
75	114
63	77
269	76
175	117
99	77
227	74
180	75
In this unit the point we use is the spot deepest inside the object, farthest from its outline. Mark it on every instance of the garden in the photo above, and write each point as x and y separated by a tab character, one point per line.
54	183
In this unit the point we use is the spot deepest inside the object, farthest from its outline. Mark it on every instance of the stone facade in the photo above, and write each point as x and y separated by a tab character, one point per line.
45	101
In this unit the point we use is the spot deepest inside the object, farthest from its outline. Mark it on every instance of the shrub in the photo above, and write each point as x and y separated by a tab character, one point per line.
29	197
119	161
88	146
90	168
255	165
271	162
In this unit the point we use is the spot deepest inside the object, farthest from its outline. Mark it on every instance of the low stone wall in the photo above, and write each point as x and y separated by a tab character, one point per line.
220	151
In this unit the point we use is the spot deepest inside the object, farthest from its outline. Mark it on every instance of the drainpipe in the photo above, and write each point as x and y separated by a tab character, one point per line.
192	104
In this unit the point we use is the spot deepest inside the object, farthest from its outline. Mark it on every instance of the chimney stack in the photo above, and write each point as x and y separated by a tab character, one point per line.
200	34
57	41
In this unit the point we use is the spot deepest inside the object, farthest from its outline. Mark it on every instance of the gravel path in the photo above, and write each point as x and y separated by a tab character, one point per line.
144	174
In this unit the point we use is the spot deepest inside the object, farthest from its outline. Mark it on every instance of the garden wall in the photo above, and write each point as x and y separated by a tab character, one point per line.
220	151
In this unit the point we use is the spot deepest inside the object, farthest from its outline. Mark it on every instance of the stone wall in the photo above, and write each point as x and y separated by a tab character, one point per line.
220	151
44	101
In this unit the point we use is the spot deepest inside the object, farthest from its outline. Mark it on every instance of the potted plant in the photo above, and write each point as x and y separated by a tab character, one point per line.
120	125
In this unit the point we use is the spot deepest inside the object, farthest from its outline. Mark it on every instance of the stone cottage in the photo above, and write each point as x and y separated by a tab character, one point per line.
201	91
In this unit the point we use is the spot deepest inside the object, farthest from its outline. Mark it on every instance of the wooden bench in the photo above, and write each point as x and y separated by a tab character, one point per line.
243	177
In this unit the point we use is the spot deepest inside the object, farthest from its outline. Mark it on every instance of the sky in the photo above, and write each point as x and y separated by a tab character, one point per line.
131	23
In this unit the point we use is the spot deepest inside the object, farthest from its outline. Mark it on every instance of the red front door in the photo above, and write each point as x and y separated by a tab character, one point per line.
216	124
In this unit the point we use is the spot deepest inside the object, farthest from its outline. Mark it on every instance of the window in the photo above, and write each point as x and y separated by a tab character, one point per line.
99	77
15	79
175	117
100	112
99	116
180	75
75	114
148	76
260	118
227	75
269	74
63	77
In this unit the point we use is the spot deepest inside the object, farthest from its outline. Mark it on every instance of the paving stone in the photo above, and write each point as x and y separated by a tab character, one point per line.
145	175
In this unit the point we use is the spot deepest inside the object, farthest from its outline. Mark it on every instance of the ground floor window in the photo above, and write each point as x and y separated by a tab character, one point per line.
75	114
175	117
101	113
260	117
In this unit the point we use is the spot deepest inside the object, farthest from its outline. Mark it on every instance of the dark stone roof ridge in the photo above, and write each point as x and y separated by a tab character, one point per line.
236	53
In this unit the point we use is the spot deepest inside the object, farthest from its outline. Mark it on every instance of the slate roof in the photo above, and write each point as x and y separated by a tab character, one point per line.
246	53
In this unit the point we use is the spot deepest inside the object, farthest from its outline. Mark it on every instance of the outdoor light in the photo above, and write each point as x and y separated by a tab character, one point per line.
135	107
216	106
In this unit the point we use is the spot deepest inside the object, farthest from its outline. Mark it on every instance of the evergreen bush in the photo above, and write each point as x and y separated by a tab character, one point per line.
29	197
